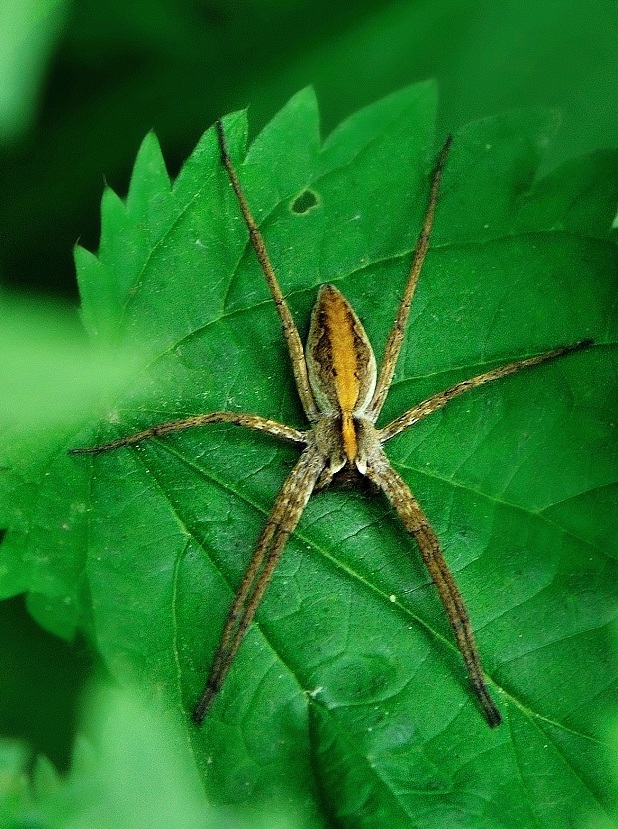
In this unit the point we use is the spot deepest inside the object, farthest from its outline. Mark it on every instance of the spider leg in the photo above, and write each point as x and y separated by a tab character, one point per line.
437	401
416	522
260	424
290	331
283	518
397	332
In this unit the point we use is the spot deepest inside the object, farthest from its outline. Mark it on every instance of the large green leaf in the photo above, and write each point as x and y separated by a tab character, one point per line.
348	694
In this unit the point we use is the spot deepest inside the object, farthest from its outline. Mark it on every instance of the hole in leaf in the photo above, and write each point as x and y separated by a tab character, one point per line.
304	202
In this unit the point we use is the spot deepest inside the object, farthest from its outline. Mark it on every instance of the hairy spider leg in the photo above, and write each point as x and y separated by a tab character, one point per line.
282	521
397	332
439	400
417	524
259	424
290	331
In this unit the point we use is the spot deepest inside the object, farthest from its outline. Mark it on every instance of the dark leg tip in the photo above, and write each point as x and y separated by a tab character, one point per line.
493	717
199	712
490	709
203	704
81	450
583	344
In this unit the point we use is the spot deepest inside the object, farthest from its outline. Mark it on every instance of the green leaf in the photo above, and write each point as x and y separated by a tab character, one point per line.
348	695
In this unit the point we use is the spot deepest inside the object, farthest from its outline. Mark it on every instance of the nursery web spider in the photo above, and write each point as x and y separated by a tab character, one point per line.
342	394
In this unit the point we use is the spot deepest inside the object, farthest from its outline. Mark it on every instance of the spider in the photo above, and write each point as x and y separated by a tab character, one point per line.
342	394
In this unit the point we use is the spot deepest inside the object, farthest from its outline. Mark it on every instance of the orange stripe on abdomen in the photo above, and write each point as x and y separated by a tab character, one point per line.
343	348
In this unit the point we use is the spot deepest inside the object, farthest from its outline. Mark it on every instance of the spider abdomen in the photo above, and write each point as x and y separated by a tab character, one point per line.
340	364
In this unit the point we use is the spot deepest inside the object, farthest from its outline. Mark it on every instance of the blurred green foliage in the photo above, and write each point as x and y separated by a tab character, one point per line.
29	30
131	770
120	69
82	82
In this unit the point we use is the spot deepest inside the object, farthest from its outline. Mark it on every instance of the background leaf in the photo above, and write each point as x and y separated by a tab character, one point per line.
348	695
28	31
